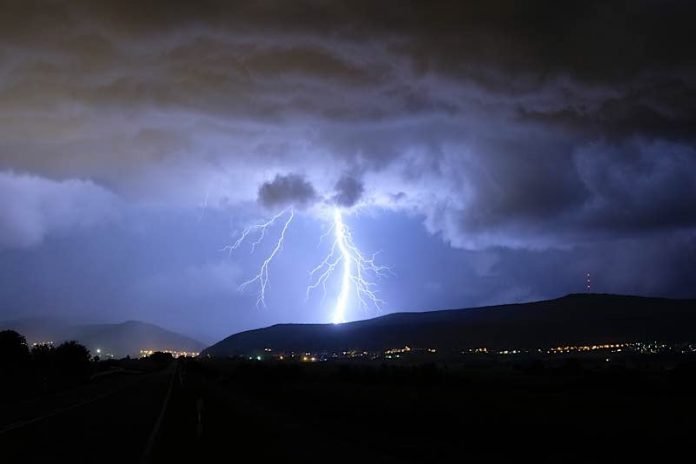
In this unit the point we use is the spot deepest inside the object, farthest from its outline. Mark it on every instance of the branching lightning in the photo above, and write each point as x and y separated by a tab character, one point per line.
356	269
260	230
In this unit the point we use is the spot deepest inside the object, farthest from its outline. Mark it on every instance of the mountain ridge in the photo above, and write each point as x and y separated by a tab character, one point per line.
573	318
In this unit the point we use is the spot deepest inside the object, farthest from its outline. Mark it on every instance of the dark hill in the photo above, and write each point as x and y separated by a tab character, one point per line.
126	338
577	318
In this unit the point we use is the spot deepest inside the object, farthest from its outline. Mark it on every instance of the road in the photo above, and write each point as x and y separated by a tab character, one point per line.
209	418
114	425
168	416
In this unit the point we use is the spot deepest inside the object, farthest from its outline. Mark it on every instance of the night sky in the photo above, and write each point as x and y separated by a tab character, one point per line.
490	153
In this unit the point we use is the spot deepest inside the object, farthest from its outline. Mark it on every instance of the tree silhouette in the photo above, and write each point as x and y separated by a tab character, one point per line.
160	358
14	352
43	359
42	355
72	359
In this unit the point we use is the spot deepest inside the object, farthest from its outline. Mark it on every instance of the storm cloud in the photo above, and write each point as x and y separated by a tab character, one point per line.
518	131
288	190
170	102
349	190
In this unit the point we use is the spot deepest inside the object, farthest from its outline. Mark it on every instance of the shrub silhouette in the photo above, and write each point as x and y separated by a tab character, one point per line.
72	359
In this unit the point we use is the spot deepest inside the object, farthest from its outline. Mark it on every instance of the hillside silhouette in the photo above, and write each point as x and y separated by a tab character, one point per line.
575	318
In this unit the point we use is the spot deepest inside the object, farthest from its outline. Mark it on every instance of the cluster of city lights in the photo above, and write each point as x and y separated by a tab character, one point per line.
635	347
409	351
174	353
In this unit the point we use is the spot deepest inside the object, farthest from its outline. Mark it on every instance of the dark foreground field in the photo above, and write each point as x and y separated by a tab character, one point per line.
202	411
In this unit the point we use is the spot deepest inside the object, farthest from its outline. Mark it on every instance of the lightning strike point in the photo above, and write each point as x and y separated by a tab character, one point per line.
354	270
342	301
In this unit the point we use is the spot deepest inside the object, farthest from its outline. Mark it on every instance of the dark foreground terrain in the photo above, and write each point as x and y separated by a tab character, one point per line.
205	410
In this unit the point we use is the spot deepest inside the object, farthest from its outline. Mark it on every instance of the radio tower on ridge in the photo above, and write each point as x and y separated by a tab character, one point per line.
588	283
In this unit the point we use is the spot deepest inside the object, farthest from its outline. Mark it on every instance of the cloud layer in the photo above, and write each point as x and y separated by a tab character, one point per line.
33	207
491	121
511	133
288	190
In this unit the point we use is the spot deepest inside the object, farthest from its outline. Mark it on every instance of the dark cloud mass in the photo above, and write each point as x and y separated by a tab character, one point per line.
528	128
348	191
289	190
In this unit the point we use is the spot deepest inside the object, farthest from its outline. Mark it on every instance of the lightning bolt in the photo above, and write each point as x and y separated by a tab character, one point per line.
260	231
355	270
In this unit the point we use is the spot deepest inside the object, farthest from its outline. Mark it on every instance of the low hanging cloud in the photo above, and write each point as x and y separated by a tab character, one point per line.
287	190
33	207
349	190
